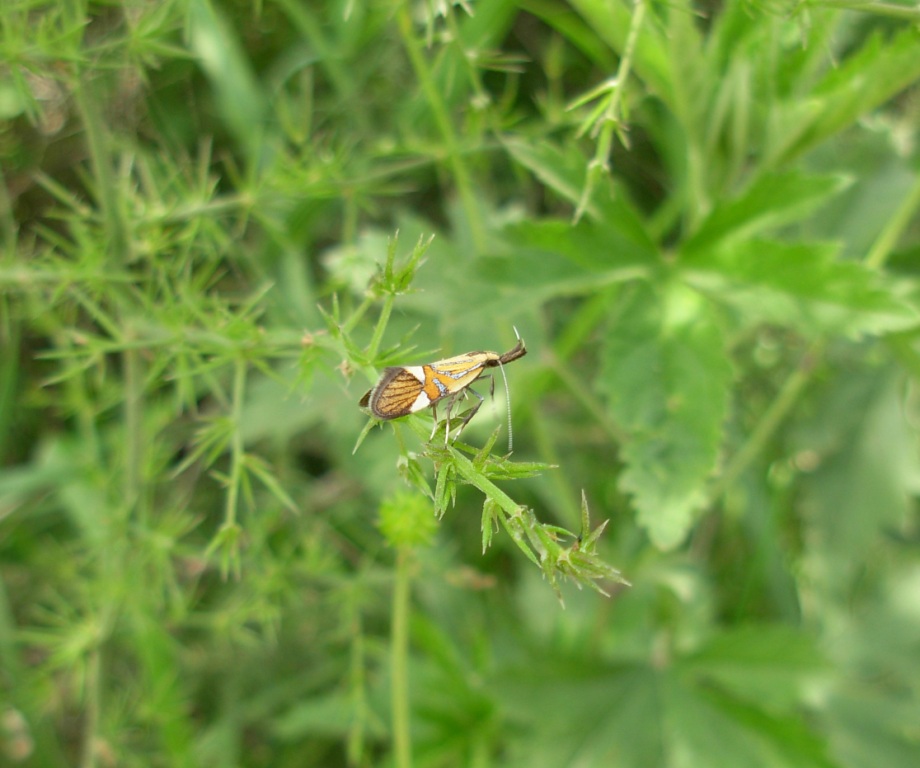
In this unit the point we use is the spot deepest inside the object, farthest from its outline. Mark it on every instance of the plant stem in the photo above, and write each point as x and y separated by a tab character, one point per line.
106	189
358	684
896	225
611	121
9	229
788	396
442	119
399	661
91	716
134	443
239	384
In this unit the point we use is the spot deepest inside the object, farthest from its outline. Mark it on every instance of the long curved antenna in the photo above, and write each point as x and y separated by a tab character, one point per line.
508	396
508	399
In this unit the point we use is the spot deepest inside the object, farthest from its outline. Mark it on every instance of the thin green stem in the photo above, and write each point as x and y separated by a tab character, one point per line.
133	415
358	685
91	709
474	477
8	227
611	120
228	538
442	119
399	661
896	225
612	116
236	447
890	10
772	419
355	318
480	95
106	187
581	393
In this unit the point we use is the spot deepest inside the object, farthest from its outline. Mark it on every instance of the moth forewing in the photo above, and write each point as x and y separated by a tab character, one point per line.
399	392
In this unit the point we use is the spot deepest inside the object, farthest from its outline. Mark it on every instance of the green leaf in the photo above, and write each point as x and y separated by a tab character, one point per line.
665	374
866	475
551	258
326	715
709	729
588	245
770	664
262	470
610	716
239	96
633	716
772	200
871	730
802	285
489	522
445	490
865	80
565	172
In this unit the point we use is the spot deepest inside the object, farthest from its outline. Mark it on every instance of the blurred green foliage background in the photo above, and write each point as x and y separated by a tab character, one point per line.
220	220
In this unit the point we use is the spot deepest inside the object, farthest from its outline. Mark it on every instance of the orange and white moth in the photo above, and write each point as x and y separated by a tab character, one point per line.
402	390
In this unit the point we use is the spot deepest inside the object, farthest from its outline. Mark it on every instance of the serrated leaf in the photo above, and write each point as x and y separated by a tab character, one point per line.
589	246
549	259
665	375
772	200
803	285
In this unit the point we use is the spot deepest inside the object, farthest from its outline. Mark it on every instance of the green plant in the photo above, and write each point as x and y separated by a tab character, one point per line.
539	542
702	219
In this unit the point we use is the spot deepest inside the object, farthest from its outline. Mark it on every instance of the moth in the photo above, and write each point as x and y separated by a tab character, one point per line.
406	389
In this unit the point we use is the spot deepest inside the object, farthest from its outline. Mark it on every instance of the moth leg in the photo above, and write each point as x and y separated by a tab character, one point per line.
492	392
471	412
434	415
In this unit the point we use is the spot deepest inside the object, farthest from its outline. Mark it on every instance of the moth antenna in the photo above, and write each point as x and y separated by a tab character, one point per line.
508	400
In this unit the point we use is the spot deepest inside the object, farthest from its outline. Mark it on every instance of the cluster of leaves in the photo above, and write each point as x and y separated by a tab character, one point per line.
579	562
705	226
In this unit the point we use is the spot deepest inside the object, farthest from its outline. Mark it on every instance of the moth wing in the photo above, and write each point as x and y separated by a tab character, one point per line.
456	373
396	394
462	362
